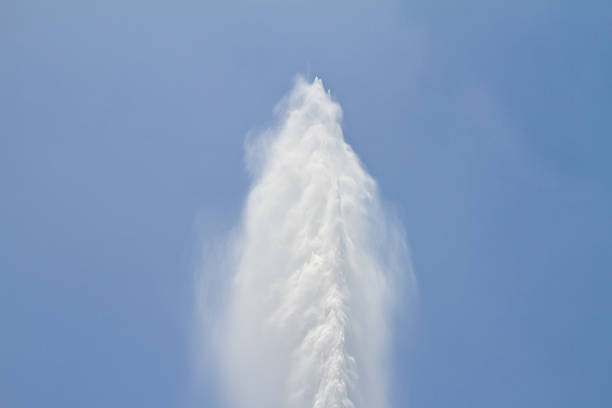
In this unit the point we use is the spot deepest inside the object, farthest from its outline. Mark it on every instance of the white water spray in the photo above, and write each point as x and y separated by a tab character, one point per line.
306	324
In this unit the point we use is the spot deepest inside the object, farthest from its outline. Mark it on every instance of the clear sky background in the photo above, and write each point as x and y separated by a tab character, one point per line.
488	125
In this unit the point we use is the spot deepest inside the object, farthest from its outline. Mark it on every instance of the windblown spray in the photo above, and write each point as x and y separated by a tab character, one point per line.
306	324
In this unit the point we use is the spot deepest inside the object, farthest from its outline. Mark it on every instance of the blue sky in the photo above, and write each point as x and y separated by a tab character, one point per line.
488	126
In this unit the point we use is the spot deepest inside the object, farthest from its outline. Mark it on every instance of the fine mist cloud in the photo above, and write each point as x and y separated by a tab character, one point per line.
313	267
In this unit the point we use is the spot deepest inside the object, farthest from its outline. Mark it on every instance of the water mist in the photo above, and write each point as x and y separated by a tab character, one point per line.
314	267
